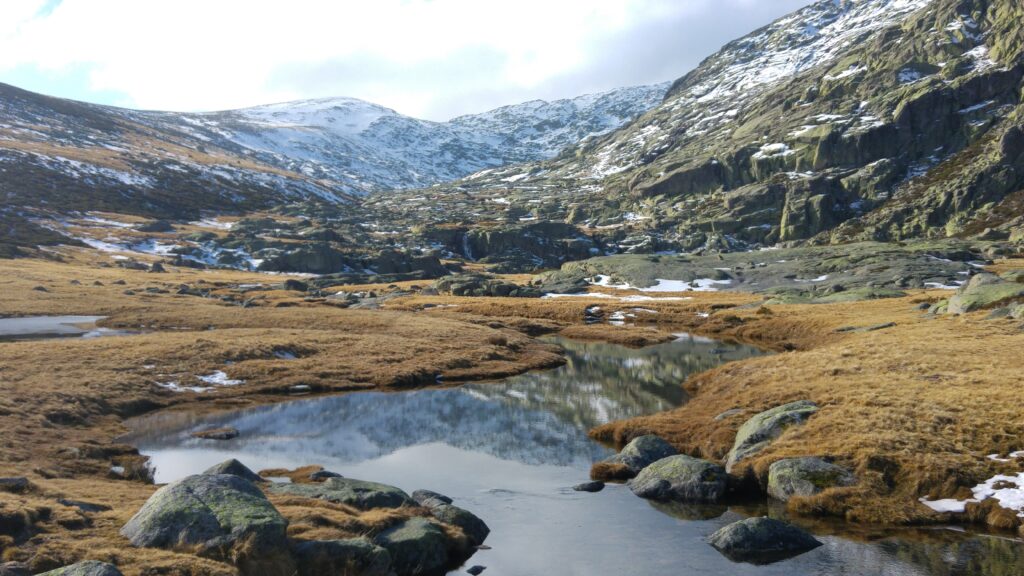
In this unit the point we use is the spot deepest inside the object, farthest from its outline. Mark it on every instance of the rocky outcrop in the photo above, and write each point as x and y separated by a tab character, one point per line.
805	477
217	515
358	493
985	291
473	527
87	568
350	556
681	478
483	285
762	541
759	431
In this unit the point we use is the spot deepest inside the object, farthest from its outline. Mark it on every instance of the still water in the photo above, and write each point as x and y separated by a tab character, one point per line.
510	452
43	327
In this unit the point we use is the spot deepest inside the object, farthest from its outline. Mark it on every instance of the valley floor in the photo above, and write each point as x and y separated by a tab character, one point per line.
912	402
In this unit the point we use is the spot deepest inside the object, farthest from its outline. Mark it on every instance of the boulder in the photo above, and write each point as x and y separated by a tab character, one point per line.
14	484
429	498
417	546
681	478
349	556
235	468
219	515
295	285
474	528
358	493
984	291
805	477
87	568
761	541
761	429
640	453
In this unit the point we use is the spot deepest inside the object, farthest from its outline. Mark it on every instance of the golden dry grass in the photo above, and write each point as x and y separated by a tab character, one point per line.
62	401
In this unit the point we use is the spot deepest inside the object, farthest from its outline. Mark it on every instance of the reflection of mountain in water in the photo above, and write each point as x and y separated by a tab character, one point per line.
536	418
603	382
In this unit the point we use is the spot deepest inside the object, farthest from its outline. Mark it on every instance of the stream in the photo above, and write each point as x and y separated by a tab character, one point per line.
510	451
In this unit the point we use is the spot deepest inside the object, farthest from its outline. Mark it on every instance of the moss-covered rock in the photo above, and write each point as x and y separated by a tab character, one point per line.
417	547
805	477
762	541
219	515
642	452
984	291
349	556
358	493
681	478
759	431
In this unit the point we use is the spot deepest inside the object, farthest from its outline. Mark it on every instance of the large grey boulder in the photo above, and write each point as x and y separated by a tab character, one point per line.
984	291
234	468
762	541
87	568
358	493
417	546
348	556
210	514
681	478
760	430
641	452
805	477
474	528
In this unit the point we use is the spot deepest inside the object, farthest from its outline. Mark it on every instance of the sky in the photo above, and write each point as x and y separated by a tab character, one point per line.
432	59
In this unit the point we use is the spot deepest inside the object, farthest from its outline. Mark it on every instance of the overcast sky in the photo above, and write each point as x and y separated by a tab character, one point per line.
432	59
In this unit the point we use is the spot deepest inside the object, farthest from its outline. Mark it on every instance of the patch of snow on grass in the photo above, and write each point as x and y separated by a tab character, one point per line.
219	378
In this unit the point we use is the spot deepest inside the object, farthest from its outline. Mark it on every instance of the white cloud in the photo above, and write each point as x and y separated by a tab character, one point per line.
192	54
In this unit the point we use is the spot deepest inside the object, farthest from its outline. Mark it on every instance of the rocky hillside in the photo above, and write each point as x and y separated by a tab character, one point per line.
66	155
846	120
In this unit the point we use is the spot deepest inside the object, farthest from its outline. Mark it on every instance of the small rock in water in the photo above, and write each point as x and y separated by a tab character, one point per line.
681	478
762	541
323	475
429	498
595	486
635	456
476	570
217	434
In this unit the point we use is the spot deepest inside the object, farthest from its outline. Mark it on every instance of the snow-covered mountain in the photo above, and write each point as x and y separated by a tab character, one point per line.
90	157
365	147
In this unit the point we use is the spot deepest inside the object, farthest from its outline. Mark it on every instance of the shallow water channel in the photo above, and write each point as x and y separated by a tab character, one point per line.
43	327
510	451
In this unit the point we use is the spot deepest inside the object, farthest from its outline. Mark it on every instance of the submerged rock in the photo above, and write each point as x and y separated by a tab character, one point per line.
595	486
681	478
324	475
417	546
635	456
235	468
359	493
761	429
87	568
348	556
215	514
762	541
227	433
805	477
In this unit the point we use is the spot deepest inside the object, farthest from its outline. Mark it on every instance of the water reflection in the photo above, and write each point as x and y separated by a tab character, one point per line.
510	451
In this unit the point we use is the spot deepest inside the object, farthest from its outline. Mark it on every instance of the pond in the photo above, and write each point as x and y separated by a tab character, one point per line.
510	452
43	327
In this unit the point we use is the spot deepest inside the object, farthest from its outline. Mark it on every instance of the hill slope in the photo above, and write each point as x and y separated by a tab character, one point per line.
846	120
66	155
